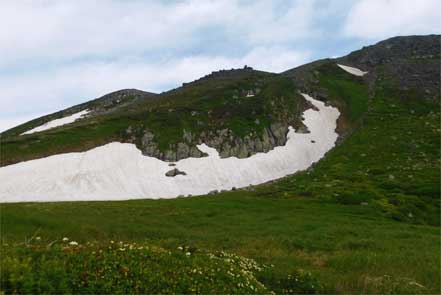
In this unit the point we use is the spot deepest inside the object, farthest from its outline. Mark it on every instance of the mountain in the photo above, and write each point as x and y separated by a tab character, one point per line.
326	177
227	130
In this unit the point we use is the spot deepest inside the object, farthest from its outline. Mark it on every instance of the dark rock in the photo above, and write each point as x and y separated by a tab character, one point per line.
303	129
148	146
174	172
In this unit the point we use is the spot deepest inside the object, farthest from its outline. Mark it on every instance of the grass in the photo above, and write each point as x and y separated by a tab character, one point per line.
65	267
346	248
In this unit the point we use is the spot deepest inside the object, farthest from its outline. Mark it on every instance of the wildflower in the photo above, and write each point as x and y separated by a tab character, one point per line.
38	238
122	249
65	239
73	243
180	248
188	253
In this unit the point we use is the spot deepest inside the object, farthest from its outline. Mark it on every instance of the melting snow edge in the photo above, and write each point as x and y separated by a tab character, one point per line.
119	171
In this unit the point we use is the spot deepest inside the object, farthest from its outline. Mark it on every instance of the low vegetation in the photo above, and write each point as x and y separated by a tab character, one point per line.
67	267
345	248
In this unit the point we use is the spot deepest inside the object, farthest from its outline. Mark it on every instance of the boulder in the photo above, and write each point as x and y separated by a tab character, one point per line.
174	172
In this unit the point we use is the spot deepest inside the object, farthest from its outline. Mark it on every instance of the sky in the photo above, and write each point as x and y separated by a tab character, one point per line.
55	54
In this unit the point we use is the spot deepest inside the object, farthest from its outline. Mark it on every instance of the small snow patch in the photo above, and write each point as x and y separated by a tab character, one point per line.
352	70
58	122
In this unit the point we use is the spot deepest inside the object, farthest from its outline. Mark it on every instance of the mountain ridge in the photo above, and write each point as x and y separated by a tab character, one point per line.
239	112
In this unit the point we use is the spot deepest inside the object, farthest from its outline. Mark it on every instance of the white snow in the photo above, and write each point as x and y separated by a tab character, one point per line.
118	171
58	122
352	70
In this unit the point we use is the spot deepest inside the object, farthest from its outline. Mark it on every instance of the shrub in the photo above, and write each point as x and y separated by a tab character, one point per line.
122	268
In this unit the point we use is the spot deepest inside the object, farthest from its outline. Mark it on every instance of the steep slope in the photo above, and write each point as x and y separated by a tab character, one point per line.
238	112
119	171
243	112
392	158
106	104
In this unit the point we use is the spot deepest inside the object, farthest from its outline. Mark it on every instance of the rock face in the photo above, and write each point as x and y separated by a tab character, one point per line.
412	61
230	146
224	140
394	49
178	151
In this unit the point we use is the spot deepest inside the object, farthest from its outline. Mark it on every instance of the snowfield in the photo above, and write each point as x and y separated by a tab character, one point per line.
58	122
118	171
352	70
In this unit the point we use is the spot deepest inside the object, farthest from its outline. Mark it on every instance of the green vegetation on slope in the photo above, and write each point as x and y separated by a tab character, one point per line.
346	248
348	92
207	105
391	162
63	267
365	219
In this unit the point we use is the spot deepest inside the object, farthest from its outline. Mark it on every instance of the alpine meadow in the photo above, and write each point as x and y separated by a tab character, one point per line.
320	179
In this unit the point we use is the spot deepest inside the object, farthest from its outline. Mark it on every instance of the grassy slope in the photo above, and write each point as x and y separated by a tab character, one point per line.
348	92
213	103
391	161
348	248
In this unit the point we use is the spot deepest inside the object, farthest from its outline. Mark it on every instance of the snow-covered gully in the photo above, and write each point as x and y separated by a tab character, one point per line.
118	171
58	122
352	70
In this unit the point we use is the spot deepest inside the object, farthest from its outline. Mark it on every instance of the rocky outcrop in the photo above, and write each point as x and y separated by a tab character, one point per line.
412	62
224	141
175	152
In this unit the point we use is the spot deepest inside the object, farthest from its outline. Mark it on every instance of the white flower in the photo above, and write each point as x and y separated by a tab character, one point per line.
65	239
180	248
38	238
73	243
188	253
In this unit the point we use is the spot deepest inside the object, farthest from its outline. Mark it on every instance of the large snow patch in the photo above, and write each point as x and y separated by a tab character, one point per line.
352	70
58	122
118	171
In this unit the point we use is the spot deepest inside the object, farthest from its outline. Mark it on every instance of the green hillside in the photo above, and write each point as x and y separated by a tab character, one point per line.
363	220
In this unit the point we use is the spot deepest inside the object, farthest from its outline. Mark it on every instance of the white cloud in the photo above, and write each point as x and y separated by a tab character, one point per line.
60	53
66	30
71	84
375	19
